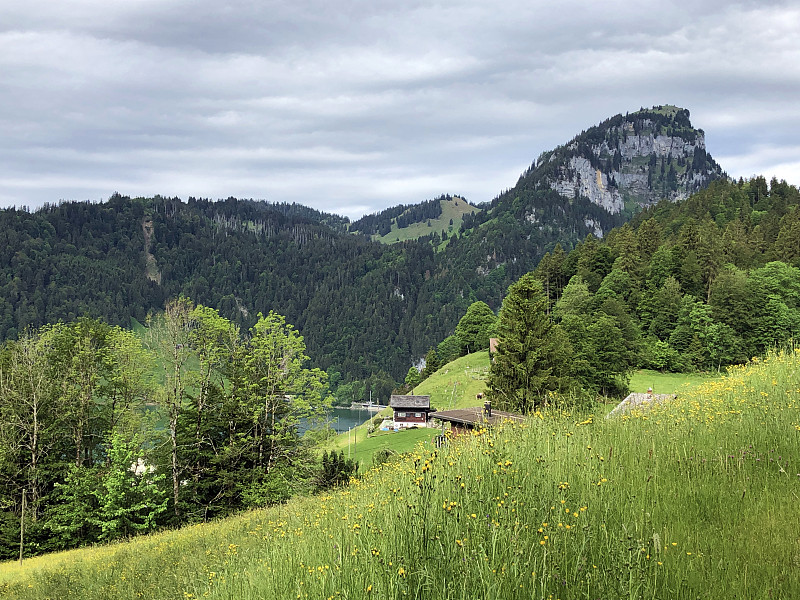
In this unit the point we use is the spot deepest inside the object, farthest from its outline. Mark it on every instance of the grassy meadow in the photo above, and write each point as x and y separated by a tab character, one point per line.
454	209
665	383
697	498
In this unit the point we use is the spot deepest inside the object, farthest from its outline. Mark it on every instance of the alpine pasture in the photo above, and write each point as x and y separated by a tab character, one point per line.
696	498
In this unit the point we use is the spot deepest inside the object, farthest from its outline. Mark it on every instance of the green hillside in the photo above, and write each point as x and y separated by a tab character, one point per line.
455	385
453	211
662	503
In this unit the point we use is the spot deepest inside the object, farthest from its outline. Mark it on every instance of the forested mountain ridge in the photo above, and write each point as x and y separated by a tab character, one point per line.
363	307
587	186
74	259
699	284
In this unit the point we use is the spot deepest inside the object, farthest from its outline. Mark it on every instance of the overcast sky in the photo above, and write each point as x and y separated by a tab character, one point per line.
351	106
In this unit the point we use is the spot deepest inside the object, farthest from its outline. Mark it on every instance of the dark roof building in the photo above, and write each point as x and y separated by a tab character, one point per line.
410	402
640	401
410	411
463	419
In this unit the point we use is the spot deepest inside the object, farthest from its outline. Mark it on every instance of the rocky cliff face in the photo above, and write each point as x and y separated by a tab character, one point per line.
631	161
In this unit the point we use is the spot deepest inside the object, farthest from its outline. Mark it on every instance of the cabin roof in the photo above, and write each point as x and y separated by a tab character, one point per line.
475	416
421	402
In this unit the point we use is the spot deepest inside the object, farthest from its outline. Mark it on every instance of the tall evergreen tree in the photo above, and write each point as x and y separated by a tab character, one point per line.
533	355
431	364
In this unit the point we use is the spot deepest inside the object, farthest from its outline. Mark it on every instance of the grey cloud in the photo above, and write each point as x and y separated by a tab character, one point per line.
357	105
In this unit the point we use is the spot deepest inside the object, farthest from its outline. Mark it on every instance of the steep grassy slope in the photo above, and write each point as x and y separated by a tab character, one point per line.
455	385
665	383
453	211
697	498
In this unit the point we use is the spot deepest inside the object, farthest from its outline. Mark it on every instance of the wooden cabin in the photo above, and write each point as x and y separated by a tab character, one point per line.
410	411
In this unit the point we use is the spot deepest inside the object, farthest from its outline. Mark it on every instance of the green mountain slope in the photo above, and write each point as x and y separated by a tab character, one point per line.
449	220
363	307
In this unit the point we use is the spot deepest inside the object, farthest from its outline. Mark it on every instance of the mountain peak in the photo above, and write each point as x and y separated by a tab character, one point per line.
631	161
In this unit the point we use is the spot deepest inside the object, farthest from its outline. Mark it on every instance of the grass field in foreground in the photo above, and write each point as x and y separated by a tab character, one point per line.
697	498
457	384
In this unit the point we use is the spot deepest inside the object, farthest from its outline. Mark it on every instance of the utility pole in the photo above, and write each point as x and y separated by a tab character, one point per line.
22	527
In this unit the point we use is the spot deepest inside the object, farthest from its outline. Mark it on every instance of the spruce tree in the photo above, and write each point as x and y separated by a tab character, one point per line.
431	364
533	355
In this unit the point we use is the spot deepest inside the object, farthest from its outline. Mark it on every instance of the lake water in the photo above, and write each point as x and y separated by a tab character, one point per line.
342	419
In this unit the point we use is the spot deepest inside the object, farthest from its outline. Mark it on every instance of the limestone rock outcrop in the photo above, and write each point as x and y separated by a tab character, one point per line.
631	161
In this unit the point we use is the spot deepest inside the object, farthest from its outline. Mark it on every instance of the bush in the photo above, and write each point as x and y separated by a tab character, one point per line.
336	470
382	456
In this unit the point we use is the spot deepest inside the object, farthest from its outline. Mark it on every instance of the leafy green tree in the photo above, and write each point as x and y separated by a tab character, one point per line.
170	337
79	360
379	387
131	498
475	327
127	383
413	378
263	459
604	339
32	435
71	514
659	309
733	299
658	355
618	284
448	349
348	393
774	293
576	299
610	362
662	265
533	354
594	263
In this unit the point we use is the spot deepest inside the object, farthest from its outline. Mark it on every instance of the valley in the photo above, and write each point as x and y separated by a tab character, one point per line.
162	360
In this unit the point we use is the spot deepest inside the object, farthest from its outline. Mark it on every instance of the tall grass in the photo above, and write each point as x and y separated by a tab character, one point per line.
697	498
